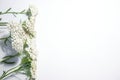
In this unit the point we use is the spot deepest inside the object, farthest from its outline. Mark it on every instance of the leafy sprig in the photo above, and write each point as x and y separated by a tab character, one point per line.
25	66
8	11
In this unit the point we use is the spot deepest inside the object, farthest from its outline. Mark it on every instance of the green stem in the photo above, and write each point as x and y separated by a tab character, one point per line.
12	13
9	72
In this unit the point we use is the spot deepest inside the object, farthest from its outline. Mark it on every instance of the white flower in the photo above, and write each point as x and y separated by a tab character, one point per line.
17	36
34	10
32	51
29	27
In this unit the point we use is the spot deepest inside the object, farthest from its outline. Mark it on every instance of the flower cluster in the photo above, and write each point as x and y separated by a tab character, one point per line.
28	25
32	53
22	39
17	36
24	32
33	10
29	28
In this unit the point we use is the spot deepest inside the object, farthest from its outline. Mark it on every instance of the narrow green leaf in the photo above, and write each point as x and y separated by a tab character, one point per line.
0	19
22	11
0	12
14	15
8	10
7	58
3	23
6	62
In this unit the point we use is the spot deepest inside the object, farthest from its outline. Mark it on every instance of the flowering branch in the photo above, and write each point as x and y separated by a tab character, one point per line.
21	35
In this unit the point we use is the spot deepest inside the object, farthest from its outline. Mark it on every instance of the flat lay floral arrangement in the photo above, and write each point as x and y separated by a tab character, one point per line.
21	38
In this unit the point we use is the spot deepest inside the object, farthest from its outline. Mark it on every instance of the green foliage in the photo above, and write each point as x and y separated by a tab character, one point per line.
25	65
8	11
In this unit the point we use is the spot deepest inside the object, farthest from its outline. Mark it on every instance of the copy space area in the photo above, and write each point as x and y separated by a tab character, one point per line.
78	39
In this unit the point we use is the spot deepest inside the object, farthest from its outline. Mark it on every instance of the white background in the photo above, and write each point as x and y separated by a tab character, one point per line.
77	39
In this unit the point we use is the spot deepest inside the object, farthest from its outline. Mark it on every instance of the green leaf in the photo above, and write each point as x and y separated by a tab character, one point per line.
3	23
8	10
7	58
29	13
3	75
22	11
0	19
6	62
14	15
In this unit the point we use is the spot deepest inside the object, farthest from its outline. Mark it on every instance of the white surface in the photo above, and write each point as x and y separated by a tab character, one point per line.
78	39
